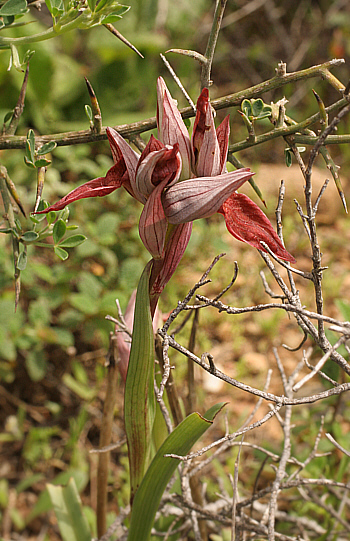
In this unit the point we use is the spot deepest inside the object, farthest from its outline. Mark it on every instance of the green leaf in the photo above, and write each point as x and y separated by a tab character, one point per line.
42	162
51	217
36	365
101	5
159	473
73	241
288	157
31	141
246	108
55	7
139	399
29	162
46	148
63	214
27	56
92	4
257	107
8	116
111	18
88	112
69	512
22	261
13	7
59	230
83	391
62	254
344	307
29	236
6	21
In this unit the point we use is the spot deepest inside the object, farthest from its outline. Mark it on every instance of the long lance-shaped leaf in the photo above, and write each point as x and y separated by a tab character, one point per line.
69	512
139	401
161	469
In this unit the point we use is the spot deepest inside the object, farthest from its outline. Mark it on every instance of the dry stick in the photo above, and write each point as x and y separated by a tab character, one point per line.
194	481
319	365
234	484
168	380
18	110
279	400
178	82
213	37
187	495
312	455
316	252
338	446
191	396
285	456
115	32
297	310
123	513
163	408
126	130
235	435
105	436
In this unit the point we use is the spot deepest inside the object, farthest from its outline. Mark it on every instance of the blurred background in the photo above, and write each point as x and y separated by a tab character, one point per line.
52	350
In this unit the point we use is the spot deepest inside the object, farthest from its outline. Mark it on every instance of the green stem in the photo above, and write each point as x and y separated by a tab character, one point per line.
213	37
126	130
11	221
55	30
289	130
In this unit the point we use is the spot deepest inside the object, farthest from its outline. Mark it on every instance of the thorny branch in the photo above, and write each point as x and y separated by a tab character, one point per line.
228	511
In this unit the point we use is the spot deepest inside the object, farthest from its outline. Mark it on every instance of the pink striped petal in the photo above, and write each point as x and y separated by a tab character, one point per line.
156	167
246	222
163	269
223	134
153	224
98	187
171	127
204	140
201	197
121	149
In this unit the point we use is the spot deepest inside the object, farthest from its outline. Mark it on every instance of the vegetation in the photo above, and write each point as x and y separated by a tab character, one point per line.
276	467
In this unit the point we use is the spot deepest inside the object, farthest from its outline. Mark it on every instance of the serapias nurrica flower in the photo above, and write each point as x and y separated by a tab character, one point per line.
179	180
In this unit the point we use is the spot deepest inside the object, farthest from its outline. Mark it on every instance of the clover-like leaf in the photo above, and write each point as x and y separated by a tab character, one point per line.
30	148
92	4
42	162
59	230
46	148
246	108
101	5
29	162
55	7
73	241
29	236
8	116
22	261
288	156
62	254
51	217
13	7
257	107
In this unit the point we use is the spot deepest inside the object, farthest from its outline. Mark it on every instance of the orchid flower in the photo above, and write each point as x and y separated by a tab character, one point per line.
179	180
